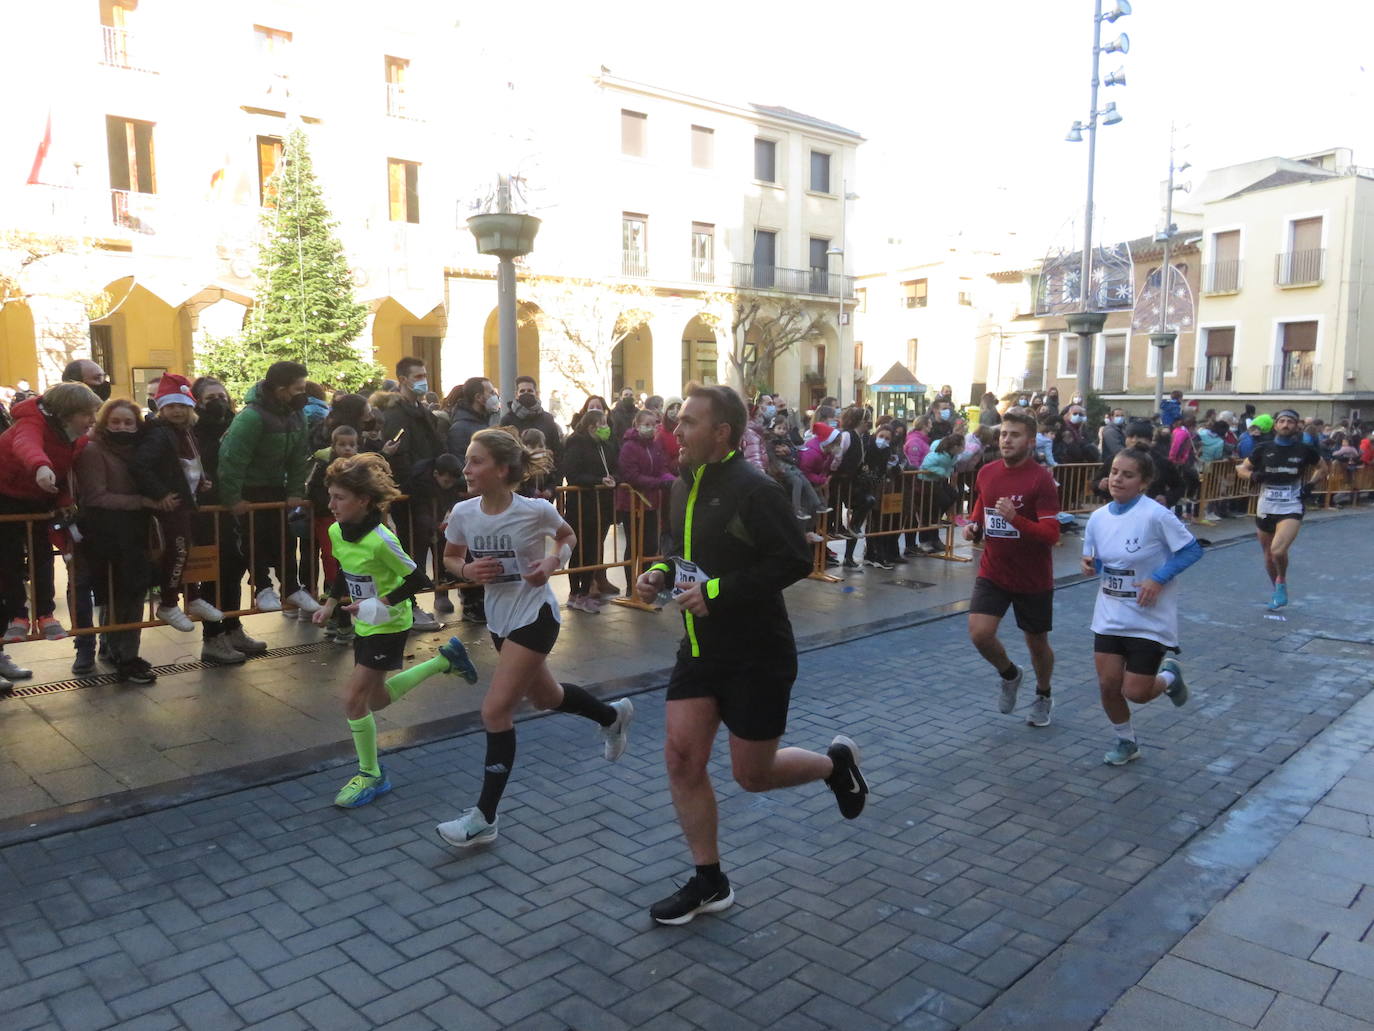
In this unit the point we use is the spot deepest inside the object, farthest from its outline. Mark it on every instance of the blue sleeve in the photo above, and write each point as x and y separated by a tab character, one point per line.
1178	562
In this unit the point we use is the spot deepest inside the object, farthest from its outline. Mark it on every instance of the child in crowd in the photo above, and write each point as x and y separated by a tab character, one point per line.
344	442
806	503
1044	441
168	471
379	580
936	472
540	485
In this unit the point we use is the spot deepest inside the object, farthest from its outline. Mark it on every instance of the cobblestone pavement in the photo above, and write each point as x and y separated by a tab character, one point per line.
987	845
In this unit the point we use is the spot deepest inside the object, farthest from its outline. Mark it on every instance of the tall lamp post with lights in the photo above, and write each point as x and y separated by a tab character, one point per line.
837	251
1164	336
1086	322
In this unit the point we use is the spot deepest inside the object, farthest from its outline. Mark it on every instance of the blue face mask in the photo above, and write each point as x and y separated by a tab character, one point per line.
833	422
769	411
944	413
420	386
882	442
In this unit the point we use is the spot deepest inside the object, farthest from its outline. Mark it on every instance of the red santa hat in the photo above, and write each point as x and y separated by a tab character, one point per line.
174	390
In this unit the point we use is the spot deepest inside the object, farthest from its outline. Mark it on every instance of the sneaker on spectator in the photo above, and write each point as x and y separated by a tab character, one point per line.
174	617
442	602
220	652
268	600
424	621
136	671
18	630
303	602
343	635
202	609
849	563
5	686
239	638
11	670
475	613
50	628
84	663
814	538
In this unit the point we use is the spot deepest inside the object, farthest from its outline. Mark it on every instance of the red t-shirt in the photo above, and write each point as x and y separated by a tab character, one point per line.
1011	558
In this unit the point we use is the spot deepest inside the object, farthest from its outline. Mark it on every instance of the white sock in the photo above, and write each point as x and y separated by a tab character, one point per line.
1168	677
1124	731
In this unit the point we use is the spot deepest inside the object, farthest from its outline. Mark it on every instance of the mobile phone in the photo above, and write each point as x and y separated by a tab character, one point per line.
399	434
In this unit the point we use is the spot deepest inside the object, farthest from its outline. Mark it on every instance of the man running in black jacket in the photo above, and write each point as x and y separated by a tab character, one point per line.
736	546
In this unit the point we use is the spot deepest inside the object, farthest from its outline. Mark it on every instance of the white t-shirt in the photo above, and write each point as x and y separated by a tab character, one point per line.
516	537
1131	546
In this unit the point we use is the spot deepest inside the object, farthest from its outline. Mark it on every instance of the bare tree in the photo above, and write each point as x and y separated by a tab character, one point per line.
763	329
593	318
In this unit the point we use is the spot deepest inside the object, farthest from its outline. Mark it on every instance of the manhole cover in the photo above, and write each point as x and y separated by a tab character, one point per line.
1339	648
914	585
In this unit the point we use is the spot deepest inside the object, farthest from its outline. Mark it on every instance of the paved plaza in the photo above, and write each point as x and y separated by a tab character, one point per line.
1002	876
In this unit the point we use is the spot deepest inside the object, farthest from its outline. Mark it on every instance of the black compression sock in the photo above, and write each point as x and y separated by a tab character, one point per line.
579	702
500	759
710	873
1010	672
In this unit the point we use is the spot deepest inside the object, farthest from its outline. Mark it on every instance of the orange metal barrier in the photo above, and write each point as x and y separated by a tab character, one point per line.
901	504
1077	483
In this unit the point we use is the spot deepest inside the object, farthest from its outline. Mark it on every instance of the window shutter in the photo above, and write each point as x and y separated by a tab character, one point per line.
1221	343
1299	336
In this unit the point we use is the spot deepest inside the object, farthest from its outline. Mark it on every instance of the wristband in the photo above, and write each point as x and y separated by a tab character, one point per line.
564	556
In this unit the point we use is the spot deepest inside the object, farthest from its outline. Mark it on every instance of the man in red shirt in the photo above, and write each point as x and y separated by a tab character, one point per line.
1016	514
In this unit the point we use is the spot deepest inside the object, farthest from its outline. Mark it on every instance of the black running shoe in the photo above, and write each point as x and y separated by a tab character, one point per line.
851	790
696	896
137	671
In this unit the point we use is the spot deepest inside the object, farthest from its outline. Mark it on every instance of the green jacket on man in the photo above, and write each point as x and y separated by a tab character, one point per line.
265	446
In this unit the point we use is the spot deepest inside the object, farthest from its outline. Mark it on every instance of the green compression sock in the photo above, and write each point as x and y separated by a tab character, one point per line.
405	681
365	741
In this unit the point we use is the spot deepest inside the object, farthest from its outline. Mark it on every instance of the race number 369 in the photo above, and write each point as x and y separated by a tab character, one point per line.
996	526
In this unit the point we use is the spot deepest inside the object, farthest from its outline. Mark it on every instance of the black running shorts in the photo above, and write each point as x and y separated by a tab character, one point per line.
380	651
1270	523
752	699
1034	612
538	636
1142	655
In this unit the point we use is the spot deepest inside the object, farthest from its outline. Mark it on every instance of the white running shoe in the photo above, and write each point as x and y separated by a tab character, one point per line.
268	600
424	622
302	600
1039	715
469	829
202	609
174	617
617	735
11	670
1007	702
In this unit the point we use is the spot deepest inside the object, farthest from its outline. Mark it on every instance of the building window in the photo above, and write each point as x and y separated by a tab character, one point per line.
765	161
820	172
397	73
1219	349
403	189
820	261
1301	264
633	132
131	155
1169	355
861	299
1114	361
634	234
858	354
102	349
117	24
274	50
1223	274
703	252
1033	376
703	147
911	347
765	258
1068	355
269	160
914	293
1299	350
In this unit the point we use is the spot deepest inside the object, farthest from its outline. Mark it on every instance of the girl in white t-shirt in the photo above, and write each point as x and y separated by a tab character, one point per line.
497	539
1137	547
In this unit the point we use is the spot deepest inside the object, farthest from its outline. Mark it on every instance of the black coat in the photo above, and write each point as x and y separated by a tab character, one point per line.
422	439
585	461
543	422
157	464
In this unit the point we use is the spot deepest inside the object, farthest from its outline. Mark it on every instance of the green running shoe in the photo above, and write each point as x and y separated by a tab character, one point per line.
458	661
362	789
1123	753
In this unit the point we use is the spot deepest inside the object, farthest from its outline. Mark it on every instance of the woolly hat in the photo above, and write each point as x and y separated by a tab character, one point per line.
1265	422
174	390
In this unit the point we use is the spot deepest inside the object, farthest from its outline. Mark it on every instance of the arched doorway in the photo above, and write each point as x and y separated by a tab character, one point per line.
819	366
139	338
700	353
18	345
632	362
527	316
398	333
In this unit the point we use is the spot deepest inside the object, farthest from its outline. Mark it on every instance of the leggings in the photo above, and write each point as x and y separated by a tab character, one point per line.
177	540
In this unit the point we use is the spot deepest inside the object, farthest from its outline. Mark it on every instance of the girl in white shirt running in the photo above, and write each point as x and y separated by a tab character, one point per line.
1137	547
497	539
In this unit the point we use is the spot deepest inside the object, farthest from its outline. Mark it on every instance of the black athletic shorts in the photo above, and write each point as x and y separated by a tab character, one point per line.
538	636
1270	523
1034	612
381	651
752	699
1142	655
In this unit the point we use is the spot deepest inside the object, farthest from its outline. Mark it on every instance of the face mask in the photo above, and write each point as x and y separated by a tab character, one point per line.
769	411
102	390
645	431
945	413
882	442
530	402
1119	420
121	436
420	386
602	433
1022	402
216	409
1076	419
299	402
494	403
833	422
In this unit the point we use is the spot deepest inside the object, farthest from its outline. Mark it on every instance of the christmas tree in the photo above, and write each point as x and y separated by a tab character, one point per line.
305	309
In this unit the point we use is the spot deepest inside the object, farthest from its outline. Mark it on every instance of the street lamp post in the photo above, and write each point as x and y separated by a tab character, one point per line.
838	252
1163	337
507	235
1087	323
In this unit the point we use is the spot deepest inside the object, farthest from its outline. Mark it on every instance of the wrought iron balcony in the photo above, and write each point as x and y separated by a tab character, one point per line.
122	50
1299	268
703	270
1222	277
815	282
399	103
634	263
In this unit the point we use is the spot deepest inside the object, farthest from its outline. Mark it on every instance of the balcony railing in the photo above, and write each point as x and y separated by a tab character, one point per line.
1289	377
1299	268
634	263
121	49
399	103
703	270
816	282
132	210
1222	277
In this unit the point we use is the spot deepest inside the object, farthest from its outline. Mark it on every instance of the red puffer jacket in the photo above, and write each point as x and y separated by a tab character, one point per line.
35	440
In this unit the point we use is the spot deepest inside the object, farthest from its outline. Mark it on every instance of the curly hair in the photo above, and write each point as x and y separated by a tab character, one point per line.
506	448
102	417
368	475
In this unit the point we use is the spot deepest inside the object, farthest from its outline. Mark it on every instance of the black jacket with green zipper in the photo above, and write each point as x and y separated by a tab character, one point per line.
735	523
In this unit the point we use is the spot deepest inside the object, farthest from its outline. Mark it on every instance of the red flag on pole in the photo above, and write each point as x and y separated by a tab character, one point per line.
42	153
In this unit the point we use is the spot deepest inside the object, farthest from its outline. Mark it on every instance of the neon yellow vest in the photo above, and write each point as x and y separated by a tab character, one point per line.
372	566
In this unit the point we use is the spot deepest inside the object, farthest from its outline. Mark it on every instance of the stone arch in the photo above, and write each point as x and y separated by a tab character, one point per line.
527	318
145	336
18	345
632	362
700	352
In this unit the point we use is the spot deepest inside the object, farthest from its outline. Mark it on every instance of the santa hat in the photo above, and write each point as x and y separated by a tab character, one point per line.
174	390
823	431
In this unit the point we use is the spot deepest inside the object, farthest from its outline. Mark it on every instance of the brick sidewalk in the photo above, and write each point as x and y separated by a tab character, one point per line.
986	846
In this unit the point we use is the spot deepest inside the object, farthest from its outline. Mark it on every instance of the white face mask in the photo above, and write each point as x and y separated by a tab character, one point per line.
494	403
1119	420
1077	418
882	442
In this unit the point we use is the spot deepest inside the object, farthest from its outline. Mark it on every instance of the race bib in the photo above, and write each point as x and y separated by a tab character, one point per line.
360	587
510	564
995	526
688	573
1118	582
1286	492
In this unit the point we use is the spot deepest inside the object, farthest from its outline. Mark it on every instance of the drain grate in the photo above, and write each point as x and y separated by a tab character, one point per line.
915	585
95	680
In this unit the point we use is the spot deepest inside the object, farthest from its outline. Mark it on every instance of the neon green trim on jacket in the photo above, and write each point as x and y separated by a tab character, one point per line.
713	588
687	618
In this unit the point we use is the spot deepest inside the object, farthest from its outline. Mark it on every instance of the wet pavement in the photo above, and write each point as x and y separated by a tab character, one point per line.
1001	877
